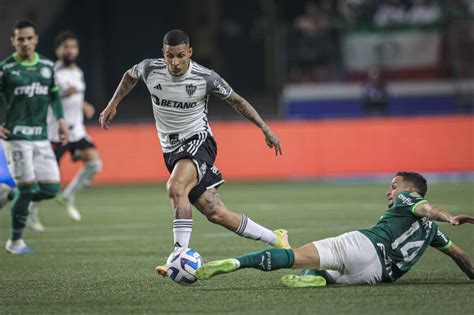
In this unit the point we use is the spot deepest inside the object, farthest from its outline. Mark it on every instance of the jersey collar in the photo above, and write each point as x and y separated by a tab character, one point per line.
25	62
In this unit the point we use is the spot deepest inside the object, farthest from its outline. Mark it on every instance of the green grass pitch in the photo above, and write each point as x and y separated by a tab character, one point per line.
105	263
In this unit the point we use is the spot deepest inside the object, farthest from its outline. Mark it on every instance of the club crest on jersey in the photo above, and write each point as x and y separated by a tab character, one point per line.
45	73
190	89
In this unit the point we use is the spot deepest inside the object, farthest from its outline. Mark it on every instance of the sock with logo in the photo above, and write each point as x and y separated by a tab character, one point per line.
255	231
268	259
182	229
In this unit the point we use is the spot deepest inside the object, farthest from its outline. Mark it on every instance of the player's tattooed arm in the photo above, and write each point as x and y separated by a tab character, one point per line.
461	259
125	86
243	107
437	213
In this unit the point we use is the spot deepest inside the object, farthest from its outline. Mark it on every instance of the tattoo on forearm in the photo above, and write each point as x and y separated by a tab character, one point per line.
243	107
125	86
183	213
465	264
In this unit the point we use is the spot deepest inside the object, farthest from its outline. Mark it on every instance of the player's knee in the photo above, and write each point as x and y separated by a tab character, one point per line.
94	166
26	189
175	189
49	190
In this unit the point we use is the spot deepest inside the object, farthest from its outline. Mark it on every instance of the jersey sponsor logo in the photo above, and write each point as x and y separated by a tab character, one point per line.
220	87
46	73
28	130
16	72
170	103
190	89
158	86
405	200
34	88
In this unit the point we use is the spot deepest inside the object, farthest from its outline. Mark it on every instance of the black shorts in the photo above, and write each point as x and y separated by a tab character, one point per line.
202	150
73	147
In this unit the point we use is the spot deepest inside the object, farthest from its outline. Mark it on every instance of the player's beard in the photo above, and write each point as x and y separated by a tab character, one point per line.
67	61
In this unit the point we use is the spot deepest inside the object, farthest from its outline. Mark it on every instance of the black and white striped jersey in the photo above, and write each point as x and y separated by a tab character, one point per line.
180	103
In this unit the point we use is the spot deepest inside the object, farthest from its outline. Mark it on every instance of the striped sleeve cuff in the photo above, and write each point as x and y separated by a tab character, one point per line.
417	204
446	246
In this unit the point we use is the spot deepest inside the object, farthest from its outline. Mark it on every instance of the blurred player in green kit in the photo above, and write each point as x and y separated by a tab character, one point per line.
27	89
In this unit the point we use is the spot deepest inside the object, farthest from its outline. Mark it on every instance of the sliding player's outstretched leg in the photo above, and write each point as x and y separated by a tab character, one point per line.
265	260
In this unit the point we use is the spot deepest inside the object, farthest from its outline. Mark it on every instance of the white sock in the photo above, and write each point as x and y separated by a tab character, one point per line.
182	229
83	178
33	209
252	230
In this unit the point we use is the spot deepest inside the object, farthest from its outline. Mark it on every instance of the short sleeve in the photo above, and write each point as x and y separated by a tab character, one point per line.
217	86
409	200
441	241
139	69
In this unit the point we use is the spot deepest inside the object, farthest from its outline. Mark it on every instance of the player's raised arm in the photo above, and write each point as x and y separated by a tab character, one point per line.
243	107
437	213
127	83
461	259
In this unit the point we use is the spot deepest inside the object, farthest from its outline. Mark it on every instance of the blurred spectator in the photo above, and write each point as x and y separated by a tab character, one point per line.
390	13
424	12
374	94
357	13
312	21
313	44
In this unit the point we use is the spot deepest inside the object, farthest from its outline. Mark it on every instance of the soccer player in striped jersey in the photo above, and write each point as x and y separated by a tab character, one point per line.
70	80
383	253
180	90
28	89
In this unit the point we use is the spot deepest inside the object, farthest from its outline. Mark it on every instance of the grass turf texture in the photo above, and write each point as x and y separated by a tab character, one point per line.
105	263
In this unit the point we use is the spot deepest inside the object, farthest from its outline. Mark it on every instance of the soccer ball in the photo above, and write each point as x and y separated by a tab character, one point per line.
182	265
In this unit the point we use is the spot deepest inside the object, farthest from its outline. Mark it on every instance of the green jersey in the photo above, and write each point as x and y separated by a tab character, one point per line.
401	237
27	88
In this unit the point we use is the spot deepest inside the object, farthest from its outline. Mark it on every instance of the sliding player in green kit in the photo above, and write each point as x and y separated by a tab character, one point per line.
27	89
382	253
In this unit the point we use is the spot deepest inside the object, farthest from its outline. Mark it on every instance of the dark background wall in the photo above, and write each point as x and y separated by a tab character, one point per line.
226	36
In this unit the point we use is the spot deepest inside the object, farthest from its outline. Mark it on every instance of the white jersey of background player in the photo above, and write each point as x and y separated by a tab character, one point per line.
73	104
70	80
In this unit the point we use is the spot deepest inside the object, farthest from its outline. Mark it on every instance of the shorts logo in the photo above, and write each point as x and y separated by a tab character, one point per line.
190	89
203	168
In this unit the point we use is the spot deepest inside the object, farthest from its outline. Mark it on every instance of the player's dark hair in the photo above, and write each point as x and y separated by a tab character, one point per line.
23	23
417	180
62	37
175	38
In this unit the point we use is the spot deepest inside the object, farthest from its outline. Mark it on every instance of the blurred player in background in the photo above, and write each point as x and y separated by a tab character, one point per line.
180	90
70	80
28	88
382	253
